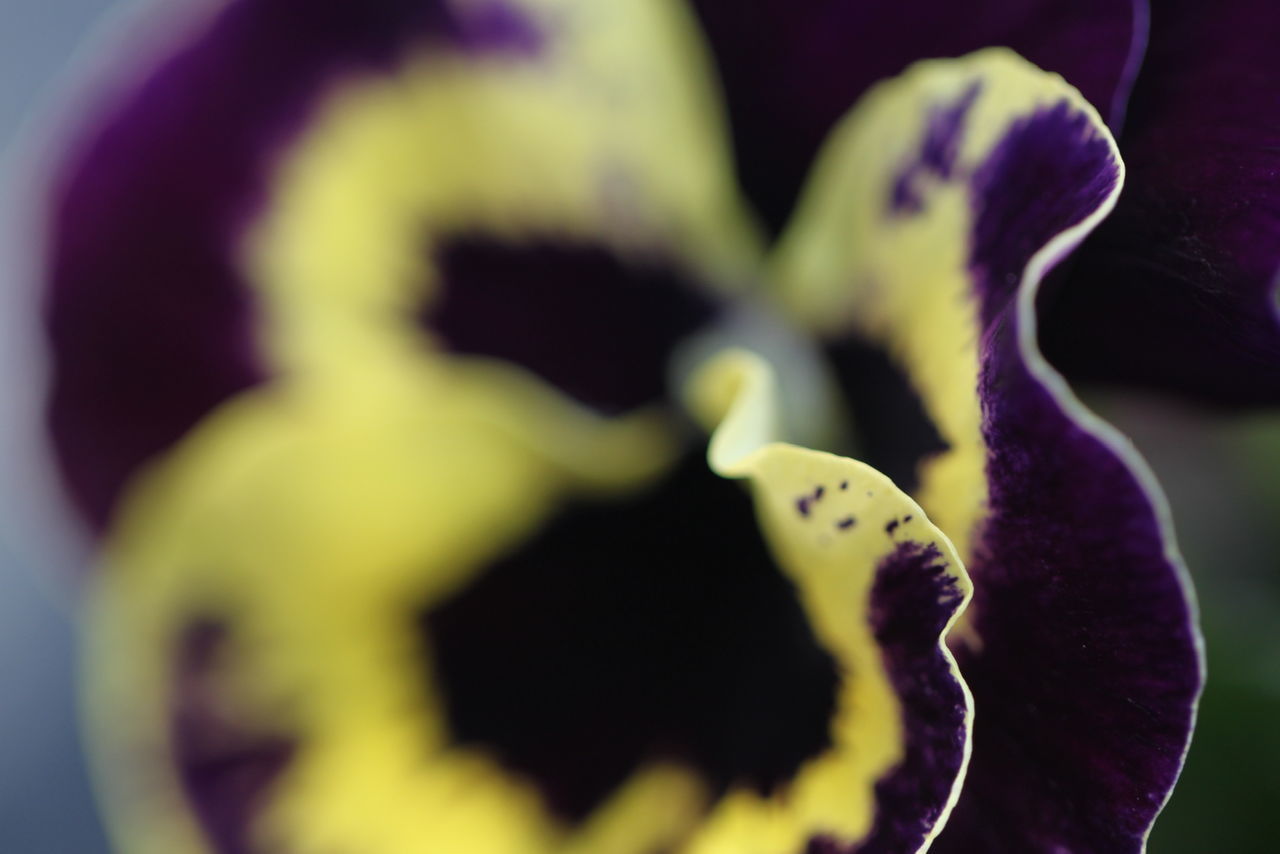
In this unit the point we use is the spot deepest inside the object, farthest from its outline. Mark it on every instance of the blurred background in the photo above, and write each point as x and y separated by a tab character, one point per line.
46	806
1221	472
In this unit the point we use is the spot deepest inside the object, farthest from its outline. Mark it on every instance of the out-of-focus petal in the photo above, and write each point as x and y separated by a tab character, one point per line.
272	195
148	210
1177	290
791	70
254	658
598	326
933	217
337	619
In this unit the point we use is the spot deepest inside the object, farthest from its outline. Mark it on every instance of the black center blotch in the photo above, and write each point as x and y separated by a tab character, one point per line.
655	627
892	431
598	326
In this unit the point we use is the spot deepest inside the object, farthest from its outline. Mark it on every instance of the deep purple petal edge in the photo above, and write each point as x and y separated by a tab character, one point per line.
1089	668
912	601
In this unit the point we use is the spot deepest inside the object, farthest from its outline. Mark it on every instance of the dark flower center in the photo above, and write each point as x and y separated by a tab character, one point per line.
597	326
655	627
891	432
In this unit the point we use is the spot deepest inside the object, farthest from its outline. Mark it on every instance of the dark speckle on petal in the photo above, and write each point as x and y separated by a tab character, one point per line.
936	157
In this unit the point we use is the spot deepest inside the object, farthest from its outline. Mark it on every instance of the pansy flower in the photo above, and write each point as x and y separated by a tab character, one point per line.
564	425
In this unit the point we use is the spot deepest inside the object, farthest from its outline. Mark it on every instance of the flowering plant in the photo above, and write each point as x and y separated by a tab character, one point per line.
482	462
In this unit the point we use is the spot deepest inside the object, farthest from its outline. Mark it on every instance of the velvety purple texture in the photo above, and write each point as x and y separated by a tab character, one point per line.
791	70
1085	681
149	318
1049	172
1177	290
911	601
226	770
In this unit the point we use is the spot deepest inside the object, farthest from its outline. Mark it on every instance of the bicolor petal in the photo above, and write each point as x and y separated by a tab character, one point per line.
790	71
337	620
260	672
853	544
1178	288
938	208
442	575
202	240
156	194
410	550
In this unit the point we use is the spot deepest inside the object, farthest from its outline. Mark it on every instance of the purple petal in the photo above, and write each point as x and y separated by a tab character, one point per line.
1087	668
1178	288
149	317
912	601
791	70
1080	646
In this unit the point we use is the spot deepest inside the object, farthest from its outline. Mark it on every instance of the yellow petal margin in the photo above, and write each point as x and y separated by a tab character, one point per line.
374	473
314	526
880	244
610	133
853	520
311	526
